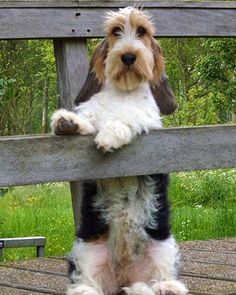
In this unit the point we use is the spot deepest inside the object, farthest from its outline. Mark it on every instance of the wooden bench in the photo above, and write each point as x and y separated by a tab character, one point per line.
38	242
37	159
42	158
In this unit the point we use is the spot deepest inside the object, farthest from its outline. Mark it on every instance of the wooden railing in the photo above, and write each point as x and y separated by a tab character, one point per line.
36	159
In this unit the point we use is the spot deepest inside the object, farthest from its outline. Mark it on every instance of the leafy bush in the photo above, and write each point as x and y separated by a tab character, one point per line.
205	188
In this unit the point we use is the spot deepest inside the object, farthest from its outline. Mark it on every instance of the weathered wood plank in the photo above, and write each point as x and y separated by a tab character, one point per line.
26	287
38	242
201	279
72	66
22	242
117	3
13	291
30	23
36	159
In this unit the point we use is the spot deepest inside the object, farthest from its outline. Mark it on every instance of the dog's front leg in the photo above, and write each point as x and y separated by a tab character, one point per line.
139	288
82	290
165	259
66	122
113	135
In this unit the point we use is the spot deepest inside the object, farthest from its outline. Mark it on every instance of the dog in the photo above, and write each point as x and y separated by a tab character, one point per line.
124	242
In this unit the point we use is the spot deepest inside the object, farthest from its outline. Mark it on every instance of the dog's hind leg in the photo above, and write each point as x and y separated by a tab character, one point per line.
91	272
165	259
82	289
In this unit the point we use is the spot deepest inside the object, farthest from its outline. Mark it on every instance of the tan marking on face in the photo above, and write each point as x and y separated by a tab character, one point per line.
141	19
113	21
149	64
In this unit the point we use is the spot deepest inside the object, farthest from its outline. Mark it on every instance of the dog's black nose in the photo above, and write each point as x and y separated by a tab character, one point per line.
128	59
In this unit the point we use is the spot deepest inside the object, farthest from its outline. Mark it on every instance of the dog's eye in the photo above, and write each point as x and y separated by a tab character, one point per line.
141	31
116	31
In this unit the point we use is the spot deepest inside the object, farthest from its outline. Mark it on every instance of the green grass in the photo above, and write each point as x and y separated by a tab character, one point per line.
43	210
203	205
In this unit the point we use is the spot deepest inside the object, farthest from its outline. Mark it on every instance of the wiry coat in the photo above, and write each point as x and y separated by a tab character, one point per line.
124	240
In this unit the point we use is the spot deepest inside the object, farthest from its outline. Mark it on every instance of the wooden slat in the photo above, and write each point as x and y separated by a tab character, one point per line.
22	242
32	289
112	4
29	23
35	159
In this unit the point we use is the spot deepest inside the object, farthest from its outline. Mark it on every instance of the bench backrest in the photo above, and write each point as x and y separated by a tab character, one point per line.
35	159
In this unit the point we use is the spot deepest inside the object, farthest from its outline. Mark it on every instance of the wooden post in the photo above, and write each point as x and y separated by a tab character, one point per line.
72	68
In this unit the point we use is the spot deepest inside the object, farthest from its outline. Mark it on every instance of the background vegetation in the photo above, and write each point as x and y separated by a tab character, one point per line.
203	206
202	75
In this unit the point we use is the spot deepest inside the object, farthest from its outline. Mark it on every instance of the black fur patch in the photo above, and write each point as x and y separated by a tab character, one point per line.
92	224
161	217
71	268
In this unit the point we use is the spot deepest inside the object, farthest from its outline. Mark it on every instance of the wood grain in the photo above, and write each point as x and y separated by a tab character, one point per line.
117	3
30	23
37	159
72	67
23	242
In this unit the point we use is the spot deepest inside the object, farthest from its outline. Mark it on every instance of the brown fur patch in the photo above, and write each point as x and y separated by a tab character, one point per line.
139	18
114	19
99	240
98	60
159	65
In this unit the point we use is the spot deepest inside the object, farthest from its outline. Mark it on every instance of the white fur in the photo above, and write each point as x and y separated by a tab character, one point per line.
116	116
94	267
151	271
139	288
82	290
167	287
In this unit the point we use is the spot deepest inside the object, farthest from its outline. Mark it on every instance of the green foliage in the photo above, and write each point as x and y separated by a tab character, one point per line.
203	188
202	74
43	210
27	75
203	206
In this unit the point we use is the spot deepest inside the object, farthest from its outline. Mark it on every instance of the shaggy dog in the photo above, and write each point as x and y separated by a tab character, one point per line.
124	241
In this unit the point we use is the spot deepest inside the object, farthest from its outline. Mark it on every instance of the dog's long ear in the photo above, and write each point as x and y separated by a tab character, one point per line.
164	96
96	76
160	87
159	66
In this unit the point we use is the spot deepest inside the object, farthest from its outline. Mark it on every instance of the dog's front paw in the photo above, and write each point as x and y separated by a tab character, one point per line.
106	143
138	288
64	122
169	288
113	136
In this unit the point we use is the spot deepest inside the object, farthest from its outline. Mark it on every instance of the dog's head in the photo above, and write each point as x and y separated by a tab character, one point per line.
130	53
128	56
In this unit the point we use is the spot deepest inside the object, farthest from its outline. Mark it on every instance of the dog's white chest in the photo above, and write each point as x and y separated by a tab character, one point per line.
137	109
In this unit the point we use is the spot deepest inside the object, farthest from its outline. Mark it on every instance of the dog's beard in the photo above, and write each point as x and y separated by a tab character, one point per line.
128	78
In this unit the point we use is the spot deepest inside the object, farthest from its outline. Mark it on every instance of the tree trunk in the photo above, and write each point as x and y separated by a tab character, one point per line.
234	118
45	108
